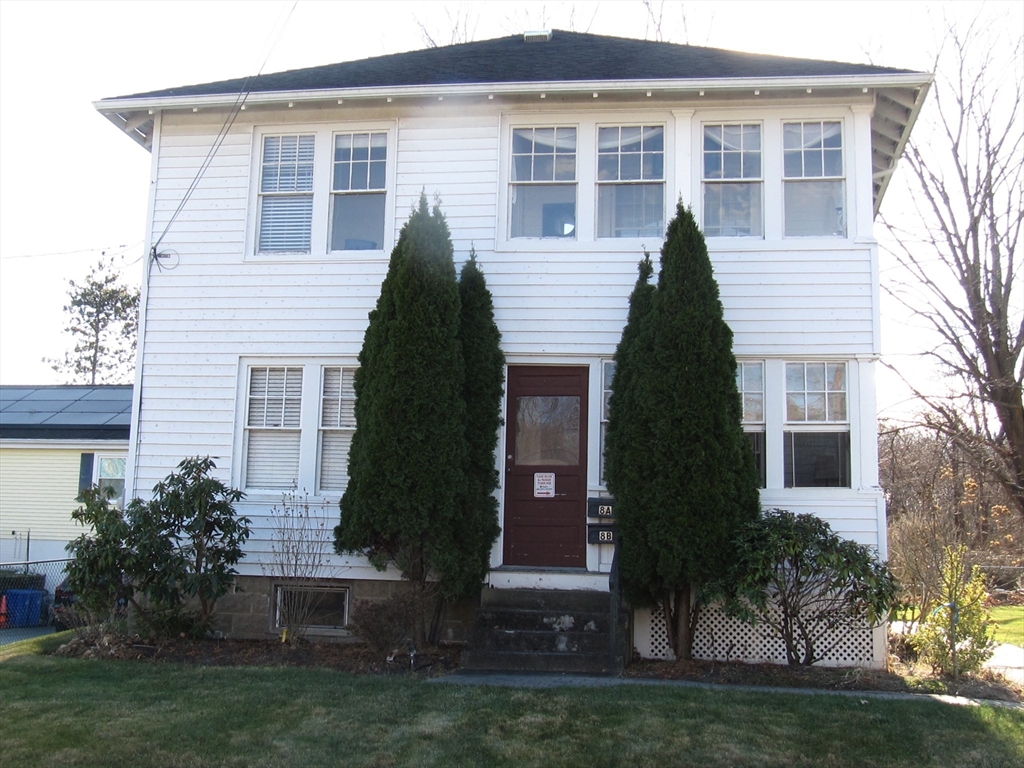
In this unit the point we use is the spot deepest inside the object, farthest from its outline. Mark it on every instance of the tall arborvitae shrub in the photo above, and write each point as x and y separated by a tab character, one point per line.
679	465
408	455
484	385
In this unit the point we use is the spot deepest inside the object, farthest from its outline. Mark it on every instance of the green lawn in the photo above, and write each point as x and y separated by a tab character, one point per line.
85	713
1008	621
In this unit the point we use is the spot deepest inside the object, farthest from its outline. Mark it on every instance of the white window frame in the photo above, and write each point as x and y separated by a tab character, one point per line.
750	425
97	476
587	126
725	181
827	425
323	192
619	183
803	178
310	426
856	183
606	391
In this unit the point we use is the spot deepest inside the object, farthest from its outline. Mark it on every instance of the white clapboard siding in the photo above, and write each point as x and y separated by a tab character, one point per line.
214	306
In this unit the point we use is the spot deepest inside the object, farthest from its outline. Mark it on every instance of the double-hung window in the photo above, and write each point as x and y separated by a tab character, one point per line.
733	180
273	427
299	421
814	198
543	188
337	426
286	193
110	474
359	181
817	431
631	181
750	385
322	191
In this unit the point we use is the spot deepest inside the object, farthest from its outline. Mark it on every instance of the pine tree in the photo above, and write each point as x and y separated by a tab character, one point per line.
408	455
484	385
103	321
679	465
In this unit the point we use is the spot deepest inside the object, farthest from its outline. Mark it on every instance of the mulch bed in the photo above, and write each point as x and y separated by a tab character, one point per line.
360	659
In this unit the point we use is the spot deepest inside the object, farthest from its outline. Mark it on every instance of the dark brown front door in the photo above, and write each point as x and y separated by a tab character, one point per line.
546	466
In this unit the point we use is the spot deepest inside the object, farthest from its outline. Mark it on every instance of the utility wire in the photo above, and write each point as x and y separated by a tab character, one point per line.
229	121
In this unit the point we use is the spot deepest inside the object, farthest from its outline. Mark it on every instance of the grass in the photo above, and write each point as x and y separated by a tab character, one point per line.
1008	624
72	712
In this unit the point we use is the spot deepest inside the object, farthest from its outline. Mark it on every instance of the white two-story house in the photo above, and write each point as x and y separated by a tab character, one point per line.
559	156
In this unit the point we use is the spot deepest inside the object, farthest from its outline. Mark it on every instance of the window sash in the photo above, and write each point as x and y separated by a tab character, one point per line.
816	392
816	459
286	193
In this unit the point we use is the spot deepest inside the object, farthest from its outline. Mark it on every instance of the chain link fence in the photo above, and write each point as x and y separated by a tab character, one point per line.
29	593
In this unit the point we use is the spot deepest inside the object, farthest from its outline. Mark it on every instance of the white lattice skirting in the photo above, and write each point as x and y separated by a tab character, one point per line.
722	638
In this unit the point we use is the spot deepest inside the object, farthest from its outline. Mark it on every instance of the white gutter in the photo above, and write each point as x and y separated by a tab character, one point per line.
909	79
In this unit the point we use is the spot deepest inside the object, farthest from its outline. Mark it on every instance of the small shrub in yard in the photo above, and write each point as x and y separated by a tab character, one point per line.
157	554
385	625
955	637
805	583
300	545
98	574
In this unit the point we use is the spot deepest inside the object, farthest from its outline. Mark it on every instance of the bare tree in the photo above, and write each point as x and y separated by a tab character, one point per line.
458	27
962	274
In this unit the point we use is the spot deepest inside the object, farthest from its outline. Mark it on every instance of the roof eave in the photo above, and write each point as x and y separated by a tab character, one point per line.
110	107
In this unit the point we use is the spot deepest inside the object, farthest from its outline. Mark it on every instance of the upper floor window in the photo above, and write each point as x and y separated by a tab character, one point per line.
321	191
286	193
733	180
359	180
631	181
543	182
110	474
814	197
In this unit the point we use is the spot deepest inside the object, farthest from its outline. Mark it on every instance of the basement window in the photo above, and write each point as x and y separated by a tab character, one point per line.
320	610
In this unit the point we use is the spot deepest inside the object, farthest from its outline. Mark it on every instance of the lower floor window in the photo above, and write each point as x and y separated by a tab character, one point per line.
311	608
757	447
299	420
817	459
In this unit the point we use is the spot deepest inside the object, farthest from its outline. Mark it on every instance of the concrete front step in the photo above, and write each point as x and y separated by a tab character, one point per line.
520	661
541	642
543	621
544	599
534	630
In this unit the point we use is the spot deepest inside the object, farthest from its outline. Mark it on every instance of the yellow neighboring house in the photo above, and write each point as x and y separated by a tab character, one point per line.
54	441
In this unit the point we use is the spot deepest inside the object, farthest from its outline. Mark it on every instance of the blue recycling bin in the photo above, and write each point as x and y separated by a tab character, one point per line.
24	607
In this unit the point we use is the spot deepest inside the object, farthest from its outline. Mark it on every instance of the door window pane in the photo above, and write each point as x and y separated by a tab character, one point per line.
548	430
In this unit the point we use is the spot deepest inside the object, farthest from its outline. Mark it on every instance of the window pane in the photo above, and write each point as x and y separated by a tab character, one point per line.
629	167
835	375
272	460
609	375
112	468
548	430
608	140
815	406
285	223
815	377
334	447
357	222
794	377
753	377
544	211
522	141
544	141
817	459
836	406
732	210
629	140
654	139
814	208
757	446
712	138
565	167
543	167
630	210
753	406
795	408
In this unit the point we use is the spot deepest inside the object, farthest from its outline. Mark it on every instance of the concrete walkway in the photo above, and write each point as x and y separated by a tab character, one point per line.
1008	661
555	680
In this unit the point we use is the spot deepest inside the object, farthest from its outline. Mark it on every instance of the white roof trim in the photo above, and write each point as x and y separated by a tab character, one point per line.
909	79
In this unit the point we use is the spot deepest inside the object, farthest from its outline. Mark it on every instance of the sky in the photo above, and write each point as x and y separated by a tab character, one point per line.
73	189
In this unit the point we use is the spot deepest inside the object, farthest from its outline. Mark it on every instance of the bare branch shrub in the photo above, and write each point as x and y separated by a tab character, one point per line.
302	542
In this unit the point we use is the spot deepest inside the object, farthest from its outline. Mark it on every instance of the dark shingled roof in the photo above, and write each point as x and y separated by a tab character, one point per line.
66	412
567	56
